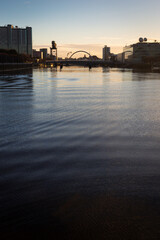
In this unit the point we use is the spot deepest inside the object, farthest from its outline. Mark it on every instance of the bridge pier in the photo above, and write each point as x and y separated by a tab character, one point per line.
61	66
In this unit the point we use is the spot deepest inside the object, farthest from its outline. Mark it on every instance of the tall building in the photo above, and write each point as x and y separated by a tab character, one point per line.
19	39
106	53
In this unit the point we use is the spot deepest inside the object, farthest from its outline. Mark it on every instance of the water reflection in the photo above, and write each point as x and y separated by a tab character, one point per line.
16	108
17	80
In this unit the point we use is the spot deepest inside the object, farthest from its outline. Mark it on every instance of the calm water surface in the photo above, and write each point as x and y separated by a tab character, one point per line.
74	133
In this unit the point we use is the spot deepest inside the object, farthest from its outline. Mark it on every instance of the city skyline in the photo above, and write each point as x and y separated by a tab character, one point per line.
84	25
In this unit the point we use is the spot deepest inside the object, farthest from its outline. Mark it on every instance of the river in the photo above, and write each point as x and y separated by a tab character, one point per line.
80	154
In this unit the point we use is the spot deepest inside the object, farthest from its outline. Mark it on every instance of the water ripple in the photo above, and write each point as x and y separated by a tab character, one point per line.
75	131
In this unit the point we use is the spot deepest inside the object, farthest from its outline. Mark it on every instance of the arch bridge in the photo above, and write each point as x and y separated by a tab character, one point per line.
80	52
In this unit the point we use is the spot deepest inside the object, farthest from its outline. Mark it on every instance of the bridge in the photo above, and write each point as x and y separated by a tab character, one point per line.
80	51
90	62
85	63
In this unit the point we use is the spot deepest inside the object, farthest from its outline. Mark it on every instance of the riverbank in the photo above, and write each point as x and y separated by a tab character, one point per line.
93	63
18	67
7	67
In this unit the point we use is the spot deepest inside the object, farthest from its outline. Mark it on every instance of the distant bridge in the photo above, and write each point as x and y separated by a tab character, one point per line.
90	62
74	62
80	52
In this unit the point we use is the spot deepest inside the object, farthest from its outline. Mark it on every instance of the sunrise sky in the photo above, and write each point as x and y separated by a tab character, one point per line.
84	24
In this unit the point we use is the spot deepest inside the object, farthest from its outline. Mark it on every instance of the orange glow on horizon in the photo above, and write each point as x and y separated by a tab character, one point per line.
93	49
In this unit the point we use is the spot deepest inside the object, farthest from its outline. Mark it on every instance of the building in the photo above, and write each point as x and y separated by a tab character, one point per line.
94	57
44	52
120	57
106	53
36	54
41	54
136	53
19	39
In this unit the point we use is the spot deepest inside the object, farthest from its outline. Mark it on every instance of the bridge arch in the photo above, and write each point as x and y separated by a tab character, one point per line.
80	51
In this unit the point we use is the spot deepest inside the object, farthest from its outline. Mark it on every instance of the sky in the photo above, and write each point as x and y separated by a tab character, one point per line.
84	24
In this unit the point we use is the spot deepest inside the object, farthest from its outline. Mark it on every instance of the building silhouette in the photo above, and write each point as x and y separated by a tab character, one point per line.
19	39
106	53
36	54
44	52
138	52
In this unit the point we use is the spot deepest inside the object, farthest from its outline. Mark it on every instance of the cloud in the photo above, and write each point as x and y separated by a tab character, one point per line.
102	38
80	46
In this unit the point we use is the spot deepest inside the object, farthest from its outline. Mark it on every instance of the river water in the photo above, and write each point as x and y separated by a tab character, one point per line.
80	154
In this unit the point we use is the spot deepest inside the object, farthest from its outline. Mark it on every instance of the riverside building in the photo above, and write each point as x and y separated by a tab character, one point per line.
43	53
19	39
136	53
106	53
